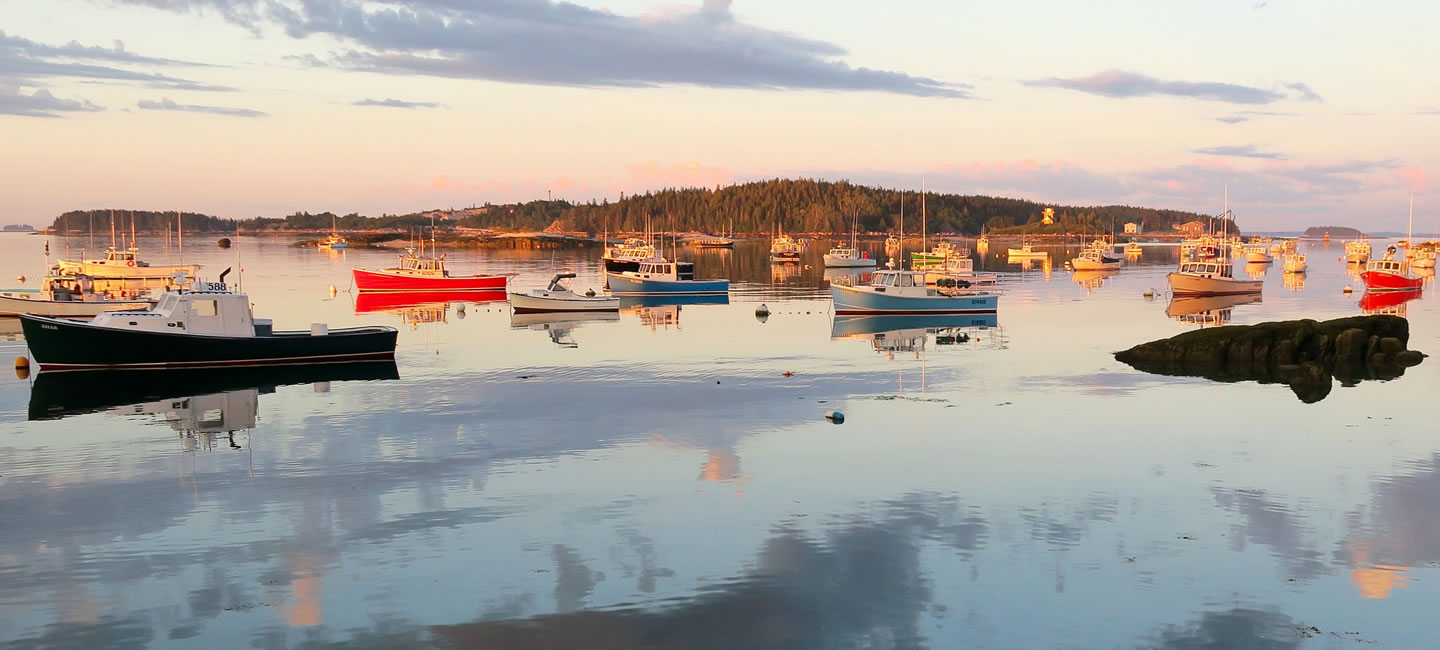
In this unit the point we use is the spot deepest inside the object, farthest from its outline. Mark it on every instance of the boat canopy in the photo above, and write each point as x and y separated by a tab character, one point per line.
556	283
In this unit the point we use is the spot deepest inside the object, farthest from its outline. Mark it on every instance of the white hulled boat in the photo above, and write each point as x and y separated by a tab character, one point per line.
558	297
1294	263
125	265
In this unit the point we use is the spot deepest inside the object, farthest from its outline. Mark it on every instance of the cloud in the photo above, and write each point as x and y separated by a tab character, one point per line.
1122	84
167	104
1242	151
558	43
1244	116
1412	177
40	104
390	102
28	60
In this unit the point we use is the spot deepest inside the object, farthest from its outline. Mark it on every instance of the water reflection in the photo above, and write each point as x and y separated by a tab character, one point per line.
1294	281
57	395
1206	311
1092	279
1239	627
1398	530
560	324
419	308
911	334
1387	302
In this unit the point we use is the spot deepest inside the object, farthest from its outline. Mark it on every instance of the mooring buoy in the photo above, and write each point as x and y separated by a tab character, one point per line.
835	416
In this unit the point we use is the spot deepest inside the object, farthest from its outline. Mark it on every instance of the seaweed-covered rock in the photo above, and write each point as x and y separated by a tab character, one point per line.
1294	352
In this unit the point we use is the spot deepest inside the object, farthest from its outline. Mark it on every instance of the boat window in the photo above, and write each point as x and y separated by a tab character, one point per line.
202	307
907	281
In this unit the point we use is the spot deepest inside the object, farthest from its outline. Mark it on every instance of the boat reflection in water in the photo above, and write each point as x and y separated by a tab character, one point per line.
559	324
1294	281
1207	311
891	334
1092	279
56	395
417	308
1387	302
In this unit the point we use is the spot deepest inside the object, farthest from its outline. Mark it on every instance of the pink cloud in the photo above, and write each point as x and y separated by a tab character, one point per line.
1414	178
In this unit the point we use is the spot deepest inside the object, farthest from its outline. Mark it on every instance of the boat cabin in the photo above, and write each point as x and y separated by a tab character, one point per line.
665	271
1204	269
421	265
117	257
632	250
212	310
1386	265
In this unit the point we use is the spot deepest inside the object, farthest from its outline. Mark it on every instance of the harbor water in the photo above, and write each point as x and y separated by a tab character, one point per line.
667	477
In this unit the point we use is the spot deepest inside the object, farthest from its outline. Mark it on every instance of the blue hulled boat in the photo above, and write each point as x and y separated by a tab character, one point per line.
905	292
663	277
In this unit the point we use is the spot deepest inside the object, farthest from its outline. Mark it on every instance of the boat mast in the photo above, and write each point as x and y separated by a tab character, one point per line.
132	229
112	229
922	215
902	223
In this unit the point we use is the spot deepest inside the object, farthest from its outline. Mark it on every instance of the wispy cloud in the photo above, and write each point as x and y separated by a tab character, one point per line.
390	102
1122	84
40	103
1242	151
1245	116
26	60
559	43
167	104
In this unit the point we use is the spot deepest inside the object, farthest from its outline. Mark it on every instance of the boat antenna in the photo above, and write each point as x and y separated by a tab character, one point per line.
922	214
180	233
132	229
902	222
112	228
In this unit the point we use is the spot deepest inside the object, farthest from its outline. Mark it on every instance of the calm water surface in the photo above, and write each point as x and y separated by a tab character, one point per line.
655	480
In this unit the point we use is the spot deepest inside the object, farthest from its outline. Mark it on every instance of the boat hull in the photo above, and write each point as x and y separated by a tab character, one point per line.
838	262
865	300
1382	281
392	300
525	303
11	305
367	280
1189	285
621	285
103	271
785	258
1258	258
1082	264
65	345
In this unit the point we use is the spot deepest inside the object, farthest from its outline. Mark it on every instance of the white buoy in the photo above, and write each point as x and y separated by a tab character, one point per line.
1149	293
762	310
1348	290
333	291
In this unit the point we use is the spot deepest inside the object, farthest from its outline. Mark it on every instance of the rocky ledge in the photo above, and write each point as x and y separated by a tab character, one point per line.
1305	354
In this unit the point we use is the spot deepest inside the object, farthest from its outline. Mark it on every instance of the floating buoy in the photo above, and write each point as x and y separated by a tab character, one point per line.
223	243
1348	290
835	416
787	373
22	368
1149	293
333	291
590	293
460	311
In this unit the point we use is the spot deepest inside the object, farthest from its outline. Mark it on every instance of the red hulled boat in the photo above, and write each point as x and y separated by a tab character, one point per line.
394	300
421	273
1389	274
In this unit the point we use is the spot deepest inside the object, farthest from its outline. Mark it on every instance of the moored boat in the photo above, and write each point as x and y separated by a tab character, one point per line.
419	272
905	292
628	255
1258	253
206	327
1094	259
65	296
842	257
125	265
558	297
1357	252
1389	274
1294	263
333	242
784	249
1026	250
663	277
1209	278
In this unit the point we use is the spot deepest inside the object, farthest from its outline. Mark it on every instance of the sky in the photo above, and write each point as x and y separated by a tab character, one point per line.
1311	112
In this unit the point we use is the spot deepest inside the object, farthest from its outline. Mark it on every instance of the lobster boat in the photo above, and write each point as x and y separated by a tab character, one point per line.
210	326
419	272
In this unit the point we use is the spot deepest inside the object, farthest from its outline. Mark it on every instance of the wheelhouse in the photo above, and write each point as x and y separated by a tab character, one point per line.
1385	266
1207	269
